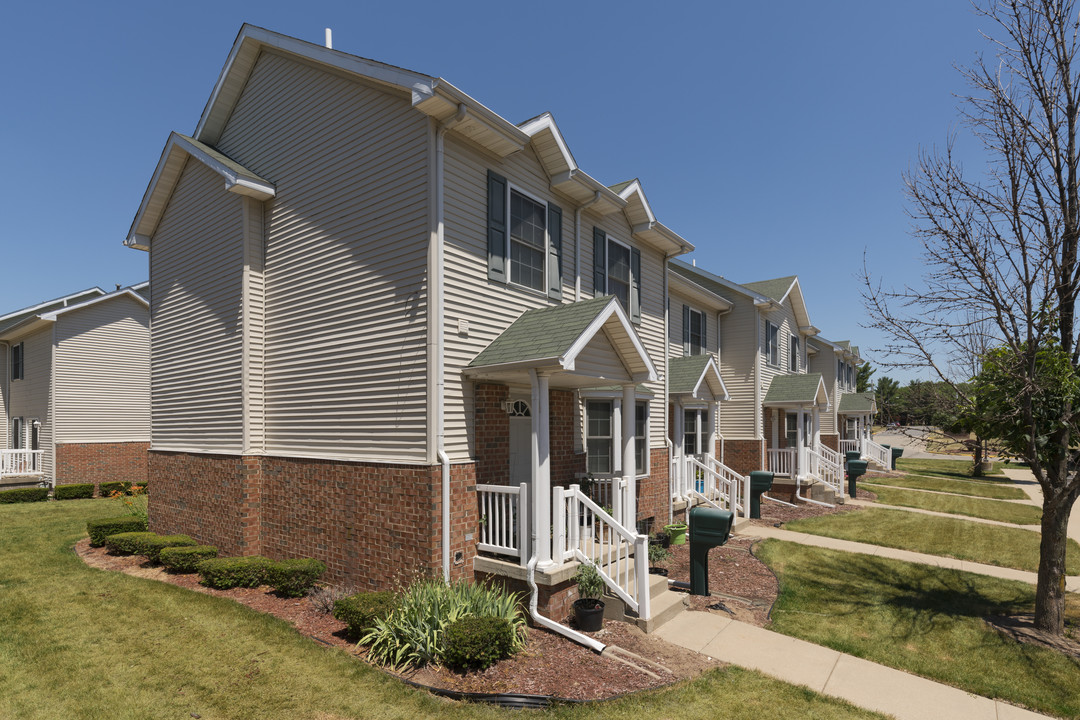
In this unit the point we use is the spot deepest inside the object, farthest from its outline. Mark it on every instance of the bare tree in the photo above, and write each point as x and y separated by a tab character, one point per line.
1001	248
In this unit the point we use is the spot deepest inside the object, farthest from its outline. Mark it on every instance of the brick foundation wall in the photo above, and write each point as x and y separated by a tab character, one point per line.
654	491
742	456
552	601
101	462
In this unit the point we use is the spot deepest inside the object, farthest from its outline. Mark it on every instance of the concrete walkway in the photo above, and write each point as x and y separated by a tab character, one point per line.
866	684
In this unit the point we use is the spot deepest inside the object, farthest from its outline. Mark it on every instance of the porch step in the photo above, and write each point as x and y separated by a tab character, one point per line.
664	604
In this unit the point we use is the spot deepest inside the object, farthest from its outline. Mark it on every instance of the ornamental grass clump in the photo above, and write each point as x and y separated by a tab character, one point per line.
80	491
184	559
294	578
230	572
477	643
413	634
102	528
360	610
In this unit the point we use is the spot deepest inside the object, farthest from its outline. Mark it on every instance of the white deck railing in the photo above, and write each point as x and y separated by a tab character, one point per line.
780	461
714	482
847	446
20	462
504	525
831	455
876	453
584	532
822	468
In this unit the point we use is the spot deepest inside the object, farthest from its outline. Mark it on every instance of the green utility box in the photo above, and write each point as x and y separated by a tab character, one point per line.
709	528
760	482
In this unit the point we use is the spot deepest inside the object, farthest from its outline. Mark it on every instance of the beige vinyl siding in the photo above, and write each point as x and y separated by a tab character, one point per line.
675	322
600	359
739	417
102	383
5	381
30	396
488	307
784	318
196	262
825	363
345	359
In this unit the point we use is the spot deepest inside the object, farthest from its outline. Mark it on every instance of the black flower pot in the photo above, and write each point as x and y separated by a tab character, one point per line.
589	614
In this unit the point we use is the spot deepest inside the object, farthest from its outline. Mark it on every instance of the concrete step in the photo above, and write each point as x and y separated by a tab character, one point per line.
664	605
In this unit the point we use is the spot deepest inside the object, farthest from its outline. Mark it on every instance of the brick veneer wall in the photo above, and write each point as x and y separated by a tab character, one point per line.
654	491
831	441
492	434
101	462
565	463
742	456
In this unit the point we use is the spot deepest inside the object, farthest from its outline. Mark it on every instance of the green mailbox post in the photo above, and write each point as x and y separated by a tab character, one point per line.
855	468
709	528
896	453
760	482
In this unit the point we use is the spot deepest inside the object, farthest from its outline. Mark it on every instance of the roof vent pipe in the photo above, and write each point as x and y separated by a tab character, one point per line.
329	41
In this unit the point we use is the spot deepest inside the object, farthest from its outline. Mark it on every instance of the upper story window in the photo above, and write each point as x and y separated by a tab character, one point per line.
641	437
17	433
598	437
617	271
840	372
850	376
772	343
526	234
17	354
793	354
693	331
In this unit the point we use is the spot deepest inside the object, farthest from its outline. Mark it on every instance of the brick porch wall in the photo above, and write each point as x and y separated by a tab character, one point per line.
565	463
492	434
742	456
831	441
101	462
654	491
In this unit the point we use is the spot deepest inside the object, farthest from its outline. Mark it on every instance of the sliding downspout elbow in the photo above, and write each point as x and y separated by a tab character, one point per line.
580	638
437	310
577	243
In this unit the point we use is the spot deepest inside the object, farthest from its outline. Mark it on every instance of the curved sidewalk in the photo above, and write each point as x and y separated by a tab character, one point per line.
861	682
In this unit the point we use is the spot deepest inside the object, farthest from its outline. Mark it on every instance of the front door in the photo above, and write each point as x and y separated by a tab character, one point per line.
520	442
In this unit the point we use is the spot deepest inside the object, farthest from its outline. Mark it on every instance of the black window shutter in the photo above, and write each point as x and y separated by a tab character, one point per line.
496	227
635	285
599	241
686	329
554	265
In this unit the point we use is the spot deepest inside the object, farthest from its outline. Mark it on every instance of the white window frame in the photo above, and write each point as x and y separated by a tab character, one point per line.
615	398
794	354
772	344
18	430
610	437
629	268
18	369
702	348
643	439
510	190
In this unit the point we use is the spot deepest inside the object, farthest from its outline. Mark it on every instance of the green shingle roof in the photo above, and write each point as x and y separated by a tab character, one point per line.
684	372
794	388
774	289
541	333
856	403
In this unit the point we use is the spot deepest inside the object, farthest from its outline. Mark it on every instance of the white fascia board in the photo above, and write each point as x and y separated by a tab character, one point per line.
250	41
612	308
477	111
94	301
696	293
759	299
809	330
547	122
536	363
27	326
250	184
609	201
634	188
63	299
704	379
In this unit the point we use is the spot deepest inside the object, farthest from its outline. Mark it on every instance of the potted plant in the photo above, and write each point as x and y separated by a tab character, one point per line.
661	538
589	608
677	531
658	554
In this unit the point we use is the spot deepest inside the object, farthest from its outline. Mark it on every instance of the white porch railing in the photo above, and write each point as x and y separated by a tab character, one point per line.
847	446
822	468
504	525
584	532
20	462
709	479
876	453
780	461
831	455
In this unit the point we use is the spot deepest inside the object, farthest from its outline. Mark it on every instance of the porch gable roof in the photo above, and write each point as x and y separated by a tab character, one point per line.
686	375
552	337
857	404
800	389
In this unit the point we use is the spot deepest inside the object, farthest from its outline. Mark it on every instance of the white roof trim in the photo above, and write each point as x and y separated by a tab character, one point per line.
711	365
63	299
123	292
612	308
547	122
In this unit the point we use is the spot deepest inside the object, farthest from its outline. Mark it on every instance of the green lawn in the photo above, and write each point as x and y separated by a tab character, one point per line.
974	488
921	619
990	544
81	643
949	468
1015	513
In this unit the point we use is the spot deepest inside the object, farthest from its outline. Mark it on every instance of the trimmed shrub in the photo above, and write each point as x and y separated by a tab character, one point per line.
230	572
21	495
80	491
477	642
293	578
102	528
184	559
106	489
362	610
129	543
152	547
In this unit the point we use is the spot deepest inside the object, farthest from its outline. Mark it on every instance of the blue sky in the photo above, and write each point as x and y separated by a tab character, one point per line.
773	136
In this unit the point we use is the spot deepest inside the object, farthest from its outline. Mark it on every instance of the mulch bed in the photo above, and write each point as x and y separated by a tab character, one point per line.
742	587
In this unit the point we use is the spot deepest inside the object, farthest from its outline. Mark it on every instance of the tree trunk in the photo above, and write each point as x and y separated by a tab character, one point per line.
1050	591
978	471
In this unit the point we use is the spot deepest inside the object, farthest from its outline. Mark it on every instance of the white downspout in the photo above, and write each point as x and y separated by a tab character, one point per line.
579	638
577	244
759	421
436	322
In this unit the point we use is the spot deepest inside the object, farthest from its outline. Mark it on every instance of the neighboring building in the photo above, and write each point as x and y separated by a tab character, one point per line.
397	310
850	417
75	389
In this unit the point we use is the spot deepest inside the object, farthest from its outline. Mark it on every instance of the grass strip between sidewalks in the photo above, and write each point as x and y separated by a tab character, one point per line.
82	643
1014	513
959	487
922	619
1016	548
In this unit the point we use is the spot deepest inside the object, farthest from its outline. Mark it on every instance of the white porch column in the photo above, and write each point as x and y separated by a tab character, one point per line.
800	444
629	413
710	413
541	468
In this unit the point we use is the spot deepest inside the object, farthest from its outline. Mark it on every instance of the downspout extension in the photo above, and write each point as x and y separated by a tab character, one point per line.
577	244
580	638
435	294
